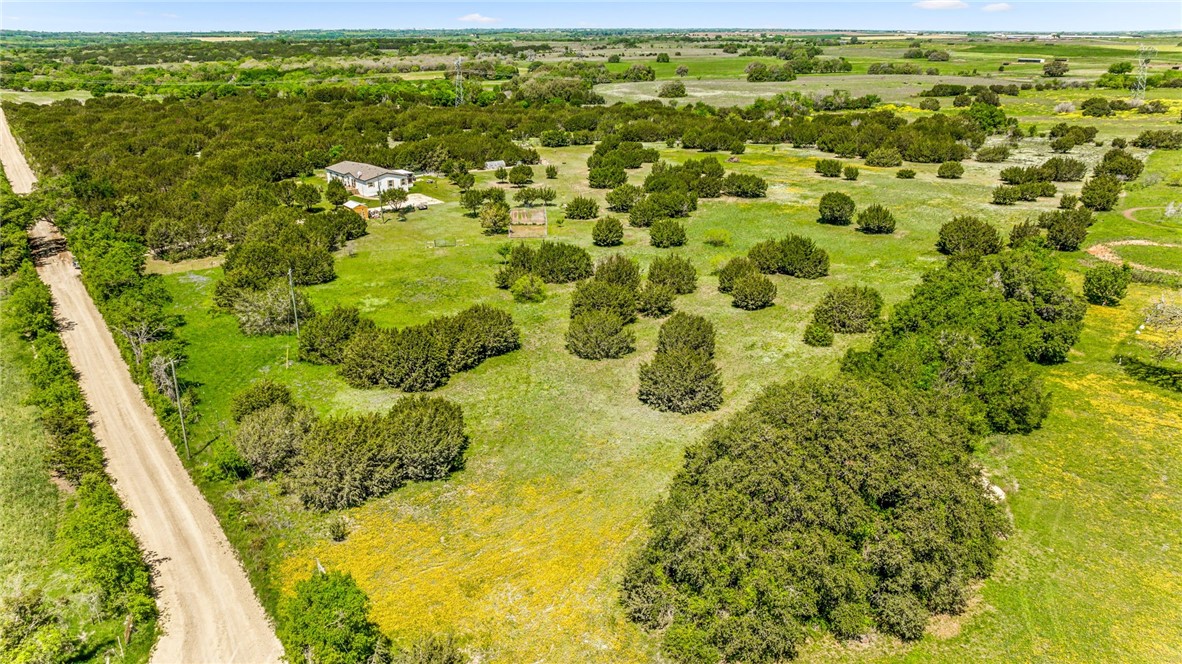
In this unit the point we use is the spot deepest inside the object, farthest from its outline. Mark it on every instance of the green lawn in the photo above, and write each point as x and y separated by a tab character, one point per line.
520	552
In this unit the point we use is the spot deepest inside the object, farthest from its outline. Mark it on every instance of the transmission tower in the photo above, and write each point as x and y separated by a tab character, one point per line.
1144	55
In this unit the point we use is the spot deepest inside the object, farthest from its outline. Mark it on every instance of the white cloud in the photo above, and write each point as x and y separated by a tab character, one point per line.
997	7
941	4
477	18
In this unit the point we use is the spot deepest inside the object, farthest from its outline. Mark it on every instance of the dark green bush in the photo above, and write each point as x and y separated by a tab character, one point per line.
849	309
993	154
599	335
681	381
830	168
624	197
271	439
905	174
752	292
608	232
1100	193
1106	285
1005	195
739	266
606	177
674	271
744	185
327	620
1063	169
766	256
950	170
654	300
836	208
261	394
876	220
850	172
968	237
582	207
886	157
595	295
686	331
323	339
620	270
1066	229
667	233
800	257
1025	232
817	334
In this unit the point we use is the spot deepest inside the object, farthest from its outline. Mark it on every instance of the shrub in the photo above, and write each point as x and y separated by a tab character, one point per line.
1066	229
737	268
744	185
1032	191
850	172
1068	202
645	213
1100	193
818	335
1105	285
849	309
1096	107
717	237
323	339
968	237
950	170
686	331
836	208
1063	169
674	271
528	288
607	177
620	270
654	300
327	620
551	172
270	439
681	381
608	232
886	157
876	219
1119	164
929	104
624	197
260	395
582	207
1025	232
830	168
1005	195
766	256
671	89
800	257
270	311
667	233
993	154
905	174
596	295
753	291
599	335
554	262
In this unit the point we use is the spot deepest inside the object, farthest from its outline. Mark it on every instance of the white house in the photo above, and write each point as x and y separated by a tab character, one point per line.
368	180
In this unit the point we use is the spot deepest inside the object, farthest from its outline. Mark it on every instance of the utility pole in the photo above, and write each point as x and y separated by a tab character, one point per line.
295	314
179	407
459	81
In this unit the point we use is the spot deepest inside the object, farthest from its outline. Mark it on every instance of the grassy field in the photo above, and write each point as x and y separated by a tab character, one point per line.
520	552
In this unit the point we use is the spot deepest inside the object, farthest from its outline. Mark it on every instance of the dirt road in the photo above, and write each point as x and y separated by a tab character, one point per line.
15	167
209	612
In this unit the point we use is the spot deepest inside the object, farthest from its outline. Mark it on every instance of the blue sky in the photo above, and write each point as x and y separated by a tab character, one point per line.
957	15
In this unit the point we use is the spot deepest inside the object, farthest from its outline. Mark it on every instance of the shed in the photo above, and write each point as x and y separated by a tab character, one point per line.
359	208
494	165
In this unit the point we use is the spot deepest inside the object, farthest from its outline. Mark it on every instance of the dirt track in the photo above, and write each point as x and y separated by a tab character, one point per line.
209	611
15	167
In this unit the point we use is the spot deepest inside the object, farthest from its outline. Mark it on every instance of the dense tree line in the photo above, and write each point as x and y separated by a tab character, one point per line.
853	503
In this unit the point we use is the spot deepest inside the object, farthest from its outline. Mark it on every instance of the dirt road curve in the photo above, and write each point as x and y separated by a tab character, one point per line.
209	613
15	167
1105	252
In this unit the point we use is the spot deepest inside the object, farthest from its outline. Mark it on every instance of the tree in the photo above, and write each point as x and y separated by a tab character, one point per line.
526	196
260	395
501	174
307	195
1105	285
327	620
270	439
876	219
968	237
599	335
608	232
546	195
601	295
623	197
494	218
671	89
1066	229
663	57
682	70
735	269
272	310
753	291
551	172
139	314
836	208
471	201
674	271
521	175
830	168
394	197
1055	68
336	193
323	339
620	270
686	331
606	177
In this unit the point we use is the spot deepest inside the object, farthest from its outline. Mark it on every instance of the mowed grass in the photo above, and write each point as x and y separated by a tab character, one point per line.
520	553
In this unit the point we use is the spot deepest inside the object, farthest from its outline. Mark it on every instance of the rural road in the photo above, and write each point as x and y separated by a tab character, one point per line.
209	612
15	167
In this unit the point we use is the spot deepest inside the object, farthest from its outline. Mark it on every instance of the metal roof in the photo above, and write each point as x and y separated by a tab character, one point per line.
365	172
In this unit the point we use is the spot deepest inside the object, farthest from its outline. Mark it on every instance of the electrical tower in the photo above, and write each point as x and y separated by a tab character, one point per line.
460	81
1144	55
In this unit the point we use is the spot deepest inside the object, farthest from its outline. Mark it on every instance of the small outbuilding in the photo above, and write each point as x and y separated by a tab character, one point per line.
494	165
366	179
360	208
